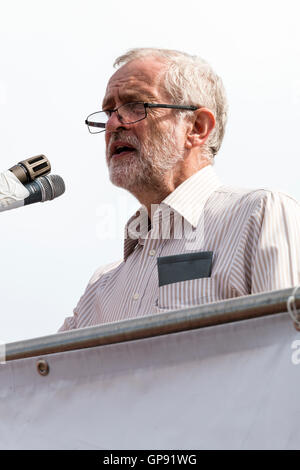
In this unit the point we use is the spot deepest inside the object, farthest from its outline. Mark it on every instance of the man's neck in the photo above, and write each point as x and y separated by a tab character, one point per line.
155	195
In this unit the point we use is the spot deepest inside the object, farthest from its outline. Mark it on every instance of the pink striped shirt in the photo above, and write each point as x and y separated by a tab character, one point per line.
254	236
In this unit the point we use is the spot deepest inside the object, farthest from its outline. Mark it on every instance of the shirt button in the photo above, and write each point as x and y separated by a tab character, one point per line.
135	296
151	252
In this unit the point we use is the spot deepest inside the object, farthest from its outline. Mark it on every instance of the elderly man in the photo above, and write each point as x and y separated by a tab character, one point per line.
194	240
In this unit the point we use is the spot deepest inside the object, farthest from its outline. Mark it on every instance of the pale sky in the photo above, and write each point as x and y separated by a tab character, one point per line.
56	58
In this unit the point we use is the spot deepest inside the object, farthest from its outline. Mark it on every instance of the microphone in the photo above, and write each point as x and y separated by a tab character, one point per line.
31	168
42	189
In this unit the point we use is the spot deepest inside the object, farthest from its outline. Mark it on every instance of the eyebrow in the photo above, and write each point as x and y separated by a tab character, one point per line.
135	95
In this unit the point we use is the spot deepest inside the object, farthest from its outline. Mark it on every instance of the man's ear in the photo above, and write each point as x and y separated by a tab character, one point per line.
203	124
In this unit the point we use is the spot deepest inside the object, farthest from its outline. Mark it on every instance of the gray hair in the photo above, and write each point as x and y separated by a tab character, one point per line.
190	80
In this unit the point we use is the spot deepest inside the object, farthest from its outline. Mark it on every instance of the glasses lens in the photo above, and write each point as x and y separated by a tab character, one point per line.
132	112
96	122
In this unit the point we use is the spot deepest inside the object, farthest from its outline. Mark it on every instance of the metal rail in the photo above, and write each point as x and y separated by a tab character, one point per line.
231	310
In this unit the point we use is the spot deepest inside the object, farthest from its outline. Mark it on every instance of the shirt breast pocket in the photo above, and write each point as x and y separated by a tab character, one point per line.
184	280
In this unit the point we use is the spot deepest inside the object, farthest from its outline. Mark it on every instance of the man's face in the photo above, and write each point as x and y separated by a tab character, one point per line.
156	142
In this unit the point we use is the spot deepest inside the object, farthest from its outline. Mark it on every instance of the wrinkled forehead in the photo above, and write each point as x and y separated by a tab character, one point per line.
143	78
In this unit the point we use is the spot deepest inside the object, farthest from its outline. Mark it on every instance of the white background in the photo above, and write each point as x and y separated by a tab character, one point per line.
55	60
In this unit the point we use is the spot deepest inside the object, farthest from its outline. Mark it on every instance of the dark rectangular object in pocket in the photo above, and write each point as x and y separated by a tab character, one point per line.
184	267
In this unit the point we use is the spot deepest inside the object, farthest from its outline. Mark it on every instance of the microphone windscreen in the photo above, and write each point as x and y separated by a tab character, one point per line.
52	186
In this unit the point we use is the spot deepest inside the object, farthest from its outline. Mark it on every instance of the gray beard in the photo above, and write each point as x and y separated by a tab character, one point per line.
152	160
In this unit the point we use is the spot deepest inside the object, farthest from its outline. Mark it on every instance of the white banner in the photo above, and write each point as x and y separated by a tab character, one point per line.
233	386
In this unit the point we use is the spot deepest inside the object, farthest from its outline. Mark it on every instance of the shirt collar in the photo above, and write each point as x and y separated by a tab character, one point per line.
188	200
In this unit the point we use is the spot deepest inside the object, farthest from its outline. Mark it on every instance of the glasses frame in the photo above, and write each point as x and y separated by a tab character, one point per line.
146	106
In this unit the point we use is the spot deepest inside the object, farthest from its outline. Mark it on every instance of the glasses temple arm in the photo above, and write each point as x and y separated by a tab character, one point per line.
94	124
172	106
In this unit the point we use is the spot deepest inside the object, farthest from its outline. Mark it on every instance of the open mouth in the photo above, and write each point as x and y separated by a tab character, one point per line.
122	150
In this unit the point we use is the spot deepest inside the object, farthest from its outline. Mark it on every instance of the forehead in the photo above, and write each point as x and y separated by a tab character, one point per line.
141	77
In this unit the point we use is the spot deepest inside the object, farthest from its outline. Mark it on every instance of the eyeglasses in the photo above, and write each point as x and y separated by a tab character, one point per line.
128	113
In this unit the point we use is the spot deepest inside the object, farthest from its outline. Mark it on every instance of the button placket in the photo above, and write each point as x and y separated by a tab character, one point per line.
148	264
151	247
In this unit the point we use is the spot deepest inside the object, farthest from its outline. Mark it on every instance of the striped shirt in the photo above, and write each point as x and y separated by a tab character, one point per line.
254	236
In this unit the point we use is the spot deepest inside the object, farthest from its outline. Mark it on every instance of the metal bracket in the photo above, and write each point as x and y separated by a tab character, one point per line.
292	309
